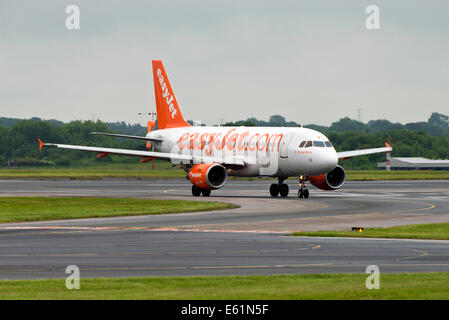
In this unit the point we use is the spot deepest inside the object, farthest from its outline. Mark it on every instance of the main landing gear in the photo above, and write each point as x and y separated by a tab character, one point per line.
198	191
279	188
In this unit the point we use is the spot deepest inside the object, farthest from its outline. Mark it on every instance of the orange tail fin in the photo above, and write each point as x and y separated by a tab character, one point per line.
168	112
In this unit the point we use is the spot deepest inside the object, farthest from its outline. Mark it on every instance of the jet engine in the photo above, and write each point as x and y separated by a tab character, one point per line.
208	176
332	180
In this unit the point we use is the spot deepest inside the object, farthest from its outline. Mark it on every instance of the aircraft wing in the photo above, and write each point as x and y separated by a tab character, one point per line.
349	154
124	136
184	158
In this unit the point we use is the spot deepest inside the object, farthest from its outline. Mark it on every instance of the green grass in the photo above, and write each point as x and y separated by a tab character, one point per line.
163	170
439	231
17	209
325	286
369	175
95	171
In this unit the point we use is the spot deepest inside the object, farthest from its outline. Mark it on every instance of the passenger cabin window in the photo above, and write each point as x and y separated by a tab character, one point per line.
328	144
308	144
302	144
318	144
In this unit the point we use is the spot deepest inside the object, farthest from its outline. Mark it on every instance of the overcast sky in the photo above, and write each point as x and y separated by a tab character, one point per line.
310	61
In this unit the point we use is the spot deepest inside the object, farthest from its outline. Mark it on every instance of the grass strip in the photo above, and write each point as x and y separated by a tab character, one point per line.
439	231
164	171
18	209
371	175
311	286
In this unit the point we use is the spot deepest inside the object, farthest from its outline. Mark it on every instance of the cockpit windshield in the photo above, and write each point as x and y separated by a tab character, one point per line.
319	144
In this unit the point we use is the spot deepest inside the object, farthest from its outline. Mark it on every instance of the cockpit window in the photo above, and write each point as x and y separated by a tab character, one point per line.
318	144
302	144
328	144
308	144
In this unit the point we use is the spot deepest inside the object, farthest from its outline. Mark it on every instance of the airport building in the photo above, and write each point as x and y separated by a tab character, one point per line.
415	164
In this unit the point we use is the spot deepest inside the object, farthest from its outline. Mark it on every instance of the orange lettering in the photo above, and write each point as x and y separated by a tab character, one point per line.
249	141
241	143
223	142
219	144
232	141
258	140
182	140
211	143
192	141
203	141
278	136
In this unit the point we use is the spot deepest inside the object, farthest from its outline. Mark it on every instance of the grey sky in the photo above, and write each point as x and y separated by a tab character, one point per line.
310	61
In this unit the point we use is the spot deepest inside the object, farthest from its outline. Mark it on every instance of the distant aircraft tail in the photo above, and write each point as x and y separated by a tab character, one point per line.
167	108
150	125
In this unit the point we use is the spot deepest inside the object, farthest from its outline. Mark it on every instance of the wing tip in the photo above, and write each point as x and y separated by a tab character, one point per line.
41	144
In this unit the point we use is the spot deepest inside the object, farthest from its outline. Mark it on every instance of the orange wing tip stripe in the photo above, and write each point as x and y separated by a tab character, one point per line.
41	144
387	145
146	159
101	155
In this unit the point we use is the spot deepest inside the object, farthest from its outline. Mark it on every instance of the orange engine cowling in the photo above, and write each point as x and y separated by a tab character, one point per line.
208	175
332	180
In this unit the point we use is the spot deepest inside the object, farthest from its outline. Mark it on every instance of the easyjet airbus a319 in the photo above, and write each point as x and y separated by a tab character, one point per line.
210	154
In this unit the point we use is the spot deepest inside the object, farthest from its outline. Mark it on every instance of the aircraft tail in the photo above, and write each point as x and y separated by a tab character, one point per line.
167	108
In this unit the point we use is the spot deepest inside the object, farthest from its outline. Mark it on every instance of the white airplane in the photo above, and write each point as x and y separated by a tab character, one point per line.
210	154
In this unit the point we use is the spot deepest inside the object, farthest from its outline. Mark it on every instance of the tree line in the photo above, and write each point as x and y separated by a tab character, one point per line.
19	147
427	139
436	125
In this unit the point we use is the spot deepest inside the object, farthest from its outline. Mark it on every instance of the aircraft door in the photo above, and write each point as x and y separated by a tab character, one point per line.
284	145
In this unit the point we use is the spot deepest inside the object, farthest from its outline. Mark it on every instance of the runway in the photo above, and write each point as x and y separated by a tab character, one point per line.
248	240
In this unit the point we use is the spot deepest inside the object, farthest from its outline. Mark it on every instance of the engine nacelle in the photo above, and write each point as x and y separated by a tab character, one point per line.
208	176
332	180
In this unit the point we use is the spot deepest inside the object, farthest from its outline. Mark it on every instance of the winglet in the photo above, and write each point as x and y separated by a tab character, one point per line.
387	145
41	144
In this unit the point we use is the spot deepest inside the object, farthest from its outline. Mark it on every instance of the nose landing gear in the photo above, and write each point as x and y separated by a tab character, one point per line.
303	192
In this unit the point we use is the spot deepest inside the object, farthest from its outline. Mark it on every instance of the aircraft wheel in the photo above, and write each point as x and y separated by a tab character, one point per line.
306	193
274	190
283	190
205	192
196	191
